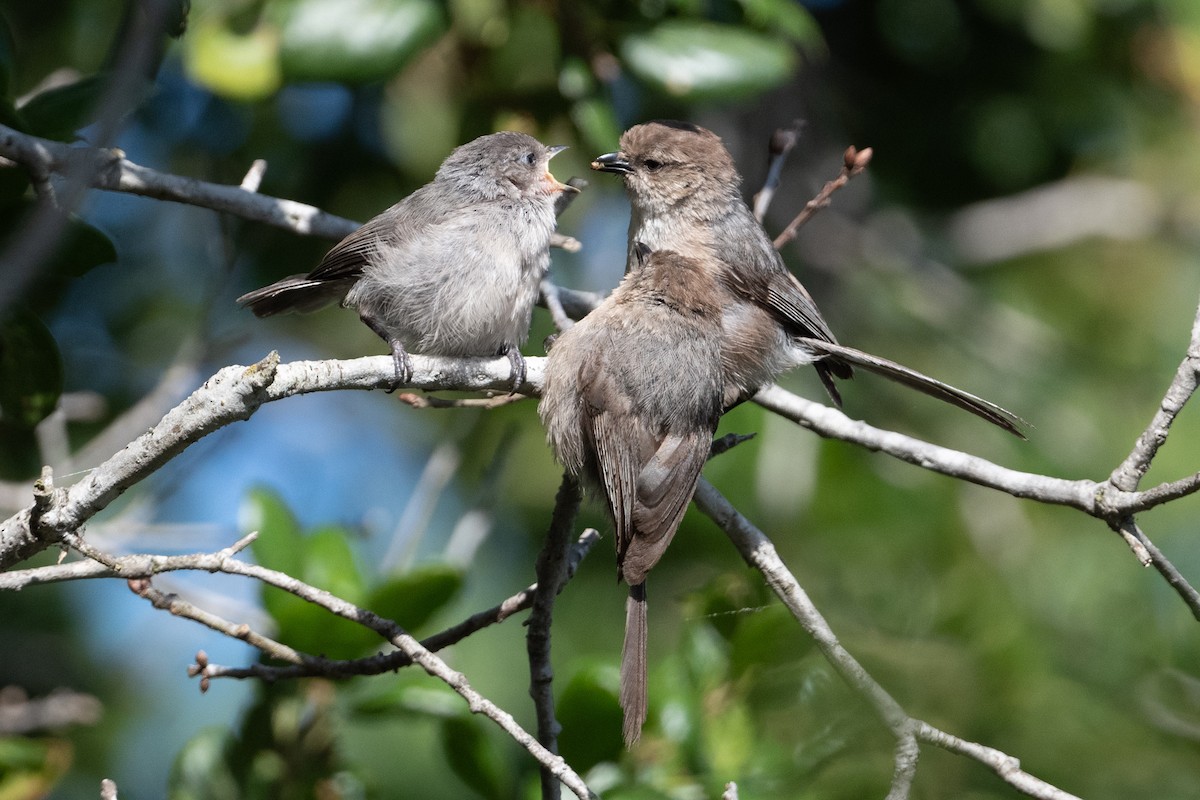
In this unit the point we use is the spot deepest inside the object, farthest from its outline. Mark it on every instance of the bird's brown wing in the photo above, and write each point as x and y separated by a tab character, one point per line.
664	488
648	478
615	446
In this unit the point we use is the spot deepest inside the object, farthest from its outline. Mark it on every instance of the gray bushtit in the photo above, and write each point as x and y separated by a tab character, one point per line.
631	398
685	195
453	269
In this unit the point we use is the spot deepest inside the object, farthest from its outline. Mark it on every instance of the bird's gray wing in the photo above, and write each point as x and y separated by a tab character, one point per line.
413	215
755	271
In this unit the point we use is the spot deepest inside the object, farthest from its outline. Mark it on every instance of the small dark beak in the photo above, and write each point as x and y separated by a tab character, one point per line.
612	162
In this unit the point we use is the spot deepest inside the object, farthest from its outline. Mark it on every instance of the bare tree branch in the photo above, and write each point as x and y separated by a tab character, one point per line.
908	752
178	607
141	567
109	169
782	142
232	394
235	393
1101	500
551	570
760	553
224	561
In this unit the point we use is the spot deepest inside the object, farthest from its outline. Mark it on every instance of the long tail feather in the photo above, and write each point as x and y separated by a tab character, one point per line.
633	665
923	383
294	293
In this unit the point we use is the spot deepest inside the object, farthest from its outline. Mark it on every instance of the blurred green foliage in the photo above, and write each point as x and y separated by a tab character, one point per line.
1019	626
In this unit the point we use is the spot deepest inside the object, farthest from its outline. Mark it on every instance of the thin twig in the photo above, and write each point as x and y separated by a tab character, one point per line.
395	635
174	605
1130	472
422	401
1151	556
853	162
782	142
140	567
254	176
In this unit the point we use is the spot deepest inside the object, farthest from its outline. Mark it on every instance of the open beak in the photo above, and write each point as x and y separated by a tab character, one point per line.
612	162
554	184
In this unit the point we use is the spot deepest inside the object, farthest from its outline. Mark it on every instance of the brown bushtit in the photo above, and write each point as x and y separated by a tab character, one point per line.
631	397
685	195
453	269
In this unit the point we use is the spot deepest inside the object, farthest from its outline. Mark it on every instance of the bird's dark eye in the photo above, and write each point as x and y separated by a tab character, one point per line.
652	165
529	159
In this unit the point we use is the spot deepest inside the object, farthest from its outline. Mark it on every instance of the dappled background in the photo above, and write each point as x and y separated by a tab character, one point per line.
1028	230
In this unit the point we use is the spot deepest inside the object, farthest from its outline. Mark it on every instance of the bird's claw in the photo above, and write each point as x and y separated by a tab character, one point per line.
403	366
518	369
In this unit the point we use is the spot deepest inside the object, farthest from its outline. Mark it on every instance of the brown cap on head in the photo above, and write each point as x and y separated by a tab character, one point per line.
667	162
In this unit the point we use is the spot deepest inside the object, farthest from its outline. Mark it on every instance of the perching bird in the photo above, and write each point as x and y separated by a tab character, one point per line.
631	397
685	194
454	268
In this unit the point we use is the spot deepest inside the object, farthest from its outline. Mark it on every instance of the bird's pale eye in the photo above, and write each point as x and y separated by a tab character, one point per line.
529	159
652	165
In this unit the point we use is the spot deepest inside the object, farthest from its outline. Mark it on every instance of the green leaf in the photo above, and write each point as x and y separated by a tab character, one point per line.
80	248
322	559
313	630
31	369
785	17
329	565
30	767
693	59
590	714
83	248
473	756
411	694
353	40
597	123
234	65
528	58
57	113
411	599
767	639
